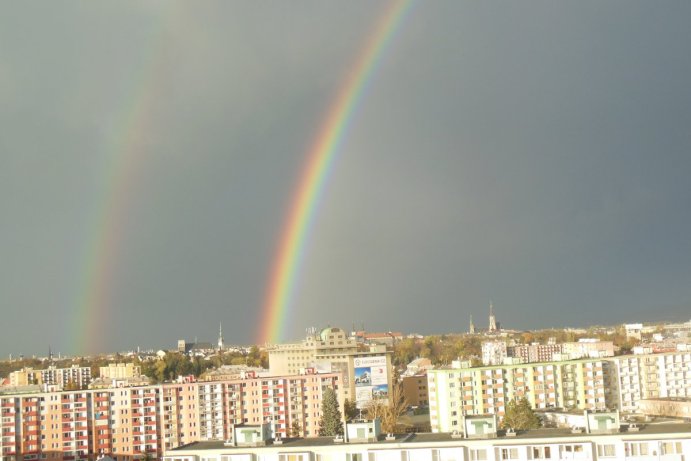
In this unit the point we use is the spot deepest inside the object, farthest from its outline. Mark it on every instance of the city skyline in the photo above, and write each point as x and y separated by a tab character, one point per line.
151	154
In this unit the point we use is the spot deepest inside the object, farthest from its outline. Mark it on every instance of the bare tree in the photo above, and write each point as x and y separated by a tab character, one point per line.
389	411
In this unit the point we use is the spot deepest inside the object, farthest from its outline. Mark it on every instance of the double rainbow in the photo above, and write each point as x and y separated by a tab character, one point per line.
320	160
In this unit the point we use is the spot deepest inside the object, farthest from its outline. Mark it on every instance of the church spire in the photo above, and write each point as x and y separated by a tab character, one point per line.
471	330
492	320
220	336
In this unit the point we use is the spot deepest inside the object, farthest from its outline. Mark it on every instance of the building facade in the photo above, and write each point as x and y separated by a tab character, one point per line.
415	389
494	352
651	376
131	422
535	352
620	383
667	443
76	376
120	371
333	350
458	391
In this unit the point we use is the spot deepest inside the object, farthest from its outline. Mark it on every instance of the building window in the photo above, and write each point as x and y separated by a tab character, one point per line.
606	451
670	448
540	452
509	453
478	454
637	449
292	457
570	449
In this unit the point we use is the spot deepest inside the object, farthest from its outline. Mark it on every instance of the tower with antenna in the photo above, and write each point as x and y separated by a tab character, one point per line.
492	320
220	336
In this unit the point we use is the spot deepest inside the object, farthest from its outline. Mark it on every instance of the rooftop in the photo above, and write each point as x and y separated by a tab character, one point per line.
647	429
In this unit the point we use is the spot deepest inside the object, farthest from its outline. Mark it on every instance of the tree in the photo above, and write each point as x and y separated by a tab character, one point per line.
71	386
389	411
350	409
520	416
330	423
295	428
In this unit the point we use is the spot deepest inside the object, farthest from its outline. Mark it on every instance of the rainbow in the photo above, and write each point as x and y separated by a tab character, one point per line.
320	160
88	325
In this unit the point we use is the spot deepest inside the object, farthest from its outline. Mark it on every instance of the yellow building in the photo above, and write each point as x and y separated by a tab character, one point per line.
25	377
120	371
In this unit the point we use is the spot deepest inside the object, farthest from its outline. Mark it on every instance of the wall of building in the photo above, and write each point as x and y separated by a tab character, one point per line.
555	445
131	422
332	350
415	390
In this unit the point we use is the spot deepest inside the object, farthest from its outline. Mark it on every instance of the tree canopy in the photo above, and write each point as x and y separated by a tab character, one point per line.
520	416
350	409
389	411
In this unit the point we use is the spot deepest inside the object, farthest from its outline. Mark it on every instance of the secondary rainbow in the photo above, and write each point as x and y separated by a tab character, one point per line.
89	326
320	159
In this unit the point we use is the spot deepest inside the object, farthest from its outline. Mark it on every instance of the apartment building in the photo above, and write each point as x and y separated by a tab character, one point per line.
670	442
25	377
461	390
120	371
494	352
535	352
415	389
333	350
75	375
587	384
652	376
132	422
587	347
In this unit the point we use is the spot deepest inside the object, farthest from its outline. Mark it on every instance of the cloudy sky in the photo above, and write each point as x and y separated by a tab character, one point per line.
533	154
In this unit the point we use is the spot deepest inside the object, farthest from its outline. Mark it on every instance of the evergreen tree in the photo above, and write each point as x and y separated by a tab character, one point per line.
330	423
520	416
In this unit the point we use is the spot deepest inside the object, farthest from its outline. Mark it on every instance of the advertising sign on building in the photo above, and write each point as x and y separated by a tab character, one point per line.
371	379
332	367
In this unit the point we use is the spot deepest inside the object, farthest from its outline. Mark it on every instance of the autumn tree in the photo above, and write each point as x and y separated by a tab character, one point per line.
520	416
350	409
389	412
330	423
295	428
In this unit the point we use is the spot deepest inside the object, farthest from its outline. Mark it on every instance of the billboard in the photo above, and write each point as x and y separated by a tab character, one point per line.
323	366
371	379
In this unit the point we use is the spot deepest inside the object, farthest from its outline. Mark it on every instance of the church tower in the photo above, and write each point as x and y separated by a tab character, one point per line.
492	320
220	336
471	330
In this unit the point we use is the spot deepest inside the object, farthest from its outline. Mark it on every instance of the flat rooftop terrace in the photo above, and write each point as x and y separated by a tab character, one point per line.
431	438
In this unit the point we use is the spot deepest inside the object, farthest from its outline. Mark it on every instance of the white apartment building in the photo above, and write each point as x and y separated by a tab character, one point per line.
587	384
588	347
664	443
458	391
652	376
75	375
493	352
